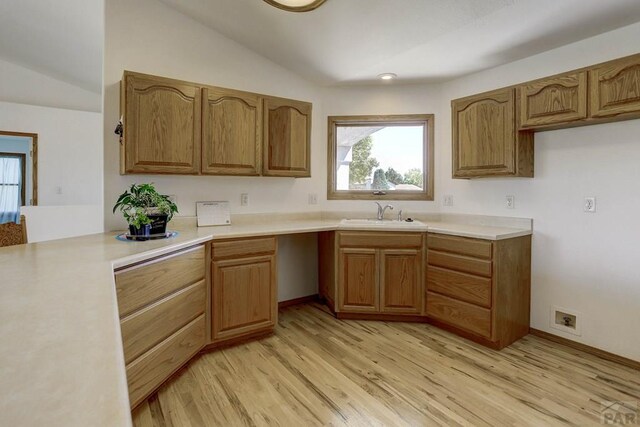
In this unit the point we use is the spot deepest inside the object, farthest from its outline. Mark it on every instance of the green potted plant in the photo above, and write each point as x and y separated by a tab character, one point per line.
147	212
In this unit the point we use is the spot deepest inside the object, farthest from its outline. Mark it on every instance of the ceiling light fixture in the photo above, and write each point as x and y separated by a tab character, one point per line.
296	5
387	76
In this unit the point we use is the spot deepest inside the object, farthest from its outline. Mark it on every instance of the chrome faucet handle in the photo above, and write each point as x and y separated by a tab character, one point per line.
380	211
400	215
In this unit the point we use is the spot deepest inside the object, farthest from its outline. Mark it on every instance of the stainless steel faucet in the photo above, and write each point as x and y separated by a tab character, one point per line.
381	210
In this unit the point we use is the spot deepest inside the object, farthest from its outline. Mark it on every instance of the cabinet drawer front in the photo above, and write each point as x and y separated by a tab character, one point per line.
465	264
151	369
243	248
460	245
465	287
143	284
380	240
147	327
459	314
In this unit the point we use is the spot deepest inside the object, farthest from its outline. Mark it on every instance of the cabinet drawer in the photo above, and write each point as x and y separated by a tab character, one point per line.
150	370
143	284
380	240
147	327
462	286
460	245
243	248
459	314
465	264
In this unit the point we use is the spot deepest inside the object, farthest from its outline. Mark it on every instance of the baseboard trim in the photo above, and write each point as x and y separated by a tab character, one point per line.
586	348
296	301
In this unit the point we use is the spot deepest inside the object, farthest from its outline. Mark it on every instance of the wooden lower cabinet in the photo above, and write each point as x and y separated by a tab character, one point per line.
162	306
479	288
244	288
359	281
401	282
377	272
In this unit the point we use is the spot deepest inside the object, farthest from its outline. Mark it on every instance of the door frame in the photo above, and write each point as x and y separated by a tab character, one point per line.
34	162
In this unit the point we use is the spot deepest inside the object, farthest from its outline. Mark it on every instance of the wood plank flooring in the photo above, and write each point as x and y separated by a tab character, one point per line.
317	370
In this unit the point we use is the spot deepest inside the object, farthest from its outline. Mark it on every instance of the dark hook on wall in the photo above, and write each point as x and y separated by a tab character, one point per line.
119	129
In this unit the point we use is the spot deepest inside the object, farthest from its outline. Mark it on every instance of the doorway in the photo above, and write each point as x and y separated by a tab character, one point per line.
18	173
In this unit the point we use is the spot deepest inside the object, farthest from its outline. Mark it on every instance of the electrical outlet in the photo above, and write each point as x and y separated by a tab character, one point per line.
511	202
244	199
313	199
447	200
565	320
590	204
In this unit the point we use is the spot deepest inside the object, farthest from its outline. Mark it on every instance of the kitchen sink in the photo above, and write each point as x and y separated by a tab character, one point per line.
380	223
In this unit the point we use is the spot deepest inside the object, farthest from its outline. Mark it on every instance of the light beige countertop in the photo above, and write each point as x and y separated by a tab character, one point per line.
61	359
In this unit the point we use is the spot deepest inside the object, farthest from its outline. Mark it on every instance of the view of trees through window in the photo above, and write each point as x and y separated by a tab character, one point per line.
387	158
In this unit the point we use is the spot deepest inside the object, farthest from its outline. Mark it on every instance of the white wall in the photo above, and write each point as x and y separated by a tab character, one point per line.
22	85
149	37
297	266
69	156
583	262
372	100
59	222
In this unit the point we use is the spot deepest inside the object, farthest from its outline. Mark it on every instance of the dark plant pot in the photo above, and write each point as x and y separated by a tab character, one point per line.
158	223
142	233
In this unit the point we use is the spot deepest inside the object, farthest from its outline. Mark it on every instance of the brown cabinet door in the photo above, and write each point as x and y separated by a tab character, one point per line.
161	126
287	138
244	296
615	87
401	281
231	132
555	100
485	142
359	281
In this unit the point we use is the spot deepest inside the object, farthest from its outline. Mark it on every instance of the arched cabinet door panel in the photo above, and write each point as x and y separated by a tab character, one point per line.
287	138
231	132
485	140
554	100
161	125
615	88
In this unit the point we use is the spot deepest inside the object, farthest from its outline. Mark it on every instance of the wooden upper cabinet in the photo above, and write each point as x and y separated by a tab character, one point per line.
554	100
615	88
161	125
287	138
485	140
231	132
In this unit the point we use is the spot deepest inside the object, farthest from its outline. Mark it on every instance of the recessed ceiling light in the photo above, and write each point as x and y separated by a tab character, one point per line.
387	76
296	5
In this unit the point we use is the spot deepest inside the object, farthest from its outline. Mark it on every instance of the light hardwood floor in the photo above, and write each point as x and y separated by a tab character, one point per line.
317	370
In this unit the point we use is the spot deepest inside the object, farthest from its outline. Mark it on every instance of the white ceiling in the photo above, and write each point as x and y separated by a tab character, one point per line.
62	39
342	42
352	41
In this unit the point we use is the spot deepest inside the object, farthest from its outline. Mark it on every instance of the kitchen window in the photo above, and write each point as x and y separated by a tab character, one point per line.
380	157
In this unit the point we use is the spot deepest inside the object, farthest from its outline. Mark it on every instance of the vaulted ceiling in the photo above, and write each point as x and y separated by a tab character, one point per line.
352	41
343	42
61	39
